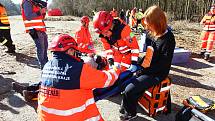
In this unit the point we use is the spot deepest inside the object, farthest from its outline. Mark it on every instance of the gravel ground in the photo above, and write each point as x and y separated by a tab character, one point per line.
193	78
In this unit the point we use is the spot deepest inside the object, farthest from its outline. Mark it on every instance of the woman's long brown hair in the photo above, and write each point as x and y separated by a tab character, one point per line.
156	18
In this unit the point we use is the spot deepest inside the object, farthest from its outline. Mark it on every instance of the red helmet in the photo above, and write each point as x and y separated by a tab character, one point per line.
102	21
63	42
85	19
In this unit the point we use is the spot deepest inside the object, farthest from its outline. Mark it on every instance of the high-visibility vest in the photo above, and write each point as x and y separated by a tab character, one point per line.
4	19
36	23
209	22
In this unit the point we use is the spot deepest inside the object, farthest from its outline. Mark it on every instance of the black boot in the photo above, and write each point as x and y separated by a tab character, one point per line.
30	95
207	56
18	87
11	49
202	53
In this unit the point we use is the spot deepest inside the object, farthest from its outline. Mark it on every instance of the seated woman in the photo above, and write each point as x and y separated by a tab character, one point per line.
163	43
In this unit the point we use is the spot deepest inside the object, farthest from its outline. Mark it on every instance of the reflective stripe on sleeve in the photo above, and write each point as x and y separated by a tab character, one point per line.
32	21
135	51
32	27
125	65
125	51
122	48
4	27
114	73
67	112
108	51
109	56
2	43
134	58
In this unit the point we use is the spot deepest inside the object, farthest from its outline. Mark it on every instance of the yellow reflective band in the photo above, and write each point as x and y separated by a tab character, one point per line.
5	20
200	101
4	17
131	34
2	43
4	27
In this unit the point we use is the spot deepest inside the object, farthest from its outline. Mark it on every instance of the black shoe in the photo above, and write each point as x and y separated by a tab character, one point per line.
18	87
202	53
29	95
127	117
11	49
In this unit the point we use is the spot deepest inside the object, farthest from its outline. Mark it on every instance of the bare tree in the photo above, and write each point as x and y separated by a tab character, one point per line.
178	9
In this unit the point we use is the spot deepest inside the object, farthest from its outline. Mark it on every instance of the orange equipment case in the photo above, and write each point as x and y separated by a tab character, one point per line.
155	99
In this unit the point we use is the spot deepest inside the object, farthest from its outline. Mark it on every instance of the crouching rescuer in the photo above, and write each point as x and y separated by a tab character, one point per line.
119	42
66	84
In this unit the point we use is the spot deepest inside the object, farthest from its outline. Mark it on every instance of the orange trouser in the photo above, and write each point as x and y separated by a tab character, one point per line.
207	38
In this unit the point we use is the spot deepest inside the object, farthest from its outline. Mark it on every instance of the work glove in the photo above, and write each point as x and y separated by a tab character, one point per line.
132	68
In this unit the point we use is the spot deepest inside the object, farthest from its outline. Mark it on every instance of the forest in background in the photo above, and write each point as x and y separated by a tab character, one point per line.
12	9
192	10
175	9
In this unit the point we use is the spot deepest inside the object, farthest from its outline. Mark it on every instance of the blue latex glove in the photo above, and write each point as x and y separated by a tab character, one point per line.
132	68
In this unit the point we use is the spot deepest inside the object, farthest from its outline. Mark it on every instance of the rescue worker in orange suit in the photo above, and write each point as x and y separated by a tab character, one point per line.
208	33
119	42
114	13
33	14
66	84
163	43
5	37
83	36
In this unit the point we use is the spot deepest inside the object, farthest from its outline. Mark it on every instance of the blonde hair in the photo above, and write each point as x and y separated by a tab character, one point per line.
156	18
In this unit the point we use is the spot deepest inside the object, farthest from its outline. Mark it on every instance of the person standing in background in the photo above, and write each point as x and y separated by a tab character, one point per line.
83	37
122	15
5	36
33	14
114	13
128	12
208	34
